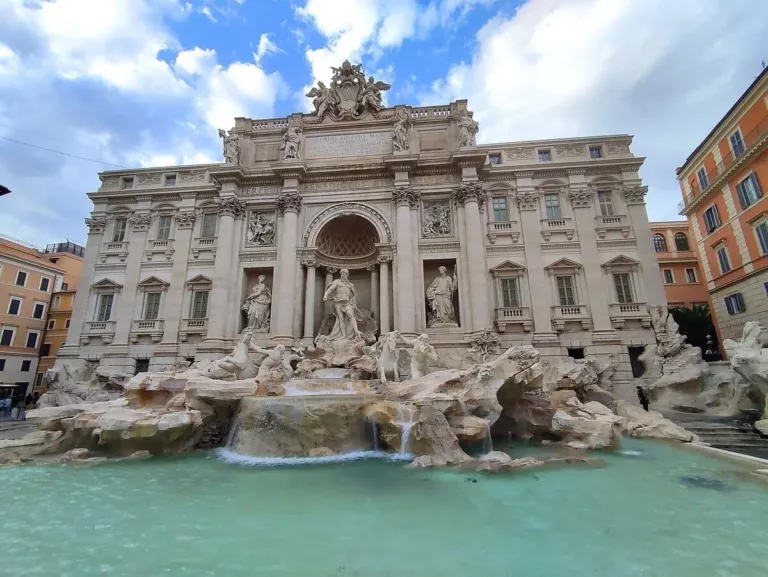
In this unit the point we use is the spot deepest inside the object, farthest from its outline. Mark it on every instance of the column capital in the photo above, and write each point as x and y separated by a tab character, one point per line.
288	202
635	195
96	224
527	200
580	197
469	191
384	258
140	221
185	219
230	206
405	196
309	263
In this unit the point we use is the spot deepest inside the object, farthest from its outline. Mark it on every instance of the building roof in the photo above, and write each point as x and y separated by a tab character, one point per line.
13	248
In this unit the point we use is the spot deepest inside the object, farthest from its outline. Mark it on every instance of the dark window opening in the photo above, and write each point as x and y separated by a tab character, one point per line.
142	366
576	353
634	360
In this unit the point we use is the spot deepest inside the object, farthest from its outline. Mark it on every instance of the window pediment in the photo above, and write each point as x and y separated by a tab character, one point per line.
621	262
106	286
199	282
153	283
507	269
563	266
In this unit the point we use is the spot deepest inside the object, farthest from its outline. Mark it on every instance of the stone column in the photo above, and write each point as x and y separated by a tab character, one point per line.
470	195
309	300
638	217
384	295
415	235
375	309
406	310
219	305
172	309
139	221
465	298
288	204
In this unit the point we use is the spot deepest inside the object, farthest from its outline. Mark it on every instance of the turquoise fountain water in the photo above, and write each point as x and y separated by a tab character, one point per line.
199	515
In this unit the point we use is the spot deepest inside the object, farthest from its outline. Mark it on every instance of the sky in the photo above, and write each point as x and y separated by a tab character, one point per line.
127	83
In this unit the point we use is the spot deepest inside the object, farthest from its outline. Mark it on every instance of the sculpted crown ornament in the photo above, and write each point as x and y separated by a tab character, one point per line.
288	201
230	206
468	191
350	95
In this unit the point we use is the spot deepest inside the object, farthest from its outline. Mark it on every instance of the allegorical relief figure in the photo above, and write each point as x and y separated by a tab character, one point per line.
401	132
440	297
436	220
467	129
231	144
261	229
257	306
341	293
291	141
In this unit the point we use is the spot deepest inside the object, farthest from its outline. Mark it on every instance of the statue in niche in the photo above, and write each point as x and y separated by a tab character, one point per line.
231	144
401	132
422	353
343	296
436	220
440	296
467	129
291	141
257	306
261	229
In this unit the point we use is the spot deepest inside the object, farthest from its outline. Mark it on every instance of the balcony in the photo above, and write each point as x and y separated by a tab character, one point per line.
550	226
98	329
503	228
562	314
118	249
617	222
160	247
201	244
193	327
153	328
513	316
622	312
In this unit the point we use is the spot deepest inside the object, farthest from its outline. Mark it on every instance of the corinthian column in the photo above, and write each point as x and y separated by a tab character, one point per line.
470	195
384	294
406	308
309	300
288	204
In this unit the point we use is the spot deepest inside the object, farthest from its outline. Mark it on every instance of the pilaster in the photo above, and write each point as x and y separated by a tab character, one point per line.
649	267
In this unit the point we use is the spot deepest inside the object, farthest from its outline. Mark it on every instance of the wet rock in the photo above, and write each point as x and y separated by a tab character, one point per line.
74	455
762	426
470	429
587	426
321	452
651	424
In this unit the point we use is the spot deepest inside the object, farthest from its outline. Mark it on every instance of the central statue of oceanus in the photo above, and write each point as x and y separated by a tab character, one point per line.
350	94
341	293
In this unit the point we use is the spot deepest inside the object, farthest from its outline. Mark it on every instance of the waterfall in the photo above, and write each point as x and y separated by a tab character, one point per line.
234	430
487	440
405	415
374	433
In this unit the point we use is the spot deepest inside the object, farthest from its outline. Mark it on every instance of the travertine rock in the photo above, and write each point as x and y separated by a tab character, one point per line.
470	429
762	426
749	357
588	426
81	382
640	423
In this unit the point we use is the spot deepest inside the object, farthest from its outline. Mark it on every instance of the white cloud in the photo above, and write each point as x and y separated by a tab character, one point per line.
663	71
266	46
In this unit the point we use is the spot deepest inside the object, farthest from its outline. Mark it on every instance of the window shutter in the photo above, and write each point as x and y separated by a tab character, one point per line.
743	200
740	301
756	184
728	305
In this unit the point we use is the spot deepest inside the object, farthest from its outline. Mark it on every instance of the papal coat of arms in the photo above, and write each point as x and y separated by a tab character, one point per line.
350	94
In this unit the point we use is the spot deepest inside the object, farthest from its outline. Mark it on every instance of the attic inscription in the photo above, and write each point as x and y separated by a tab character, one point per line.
361	144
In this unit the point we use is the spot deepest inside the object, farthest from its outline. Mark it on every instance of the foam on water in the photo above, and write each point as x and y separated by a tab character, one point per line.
250	461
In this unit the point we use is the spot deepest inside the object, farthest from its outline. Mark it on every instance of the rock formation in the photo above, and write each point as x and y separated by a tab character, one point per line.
749	358
651	424
85	382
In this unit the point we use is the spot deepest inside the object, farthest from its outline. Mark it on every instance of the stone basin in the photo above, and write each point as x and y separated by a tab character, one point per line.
327	386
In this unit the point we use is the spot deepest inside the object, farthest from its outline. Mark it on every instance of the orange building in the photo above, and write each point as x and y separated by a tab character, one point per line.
678	263
722	183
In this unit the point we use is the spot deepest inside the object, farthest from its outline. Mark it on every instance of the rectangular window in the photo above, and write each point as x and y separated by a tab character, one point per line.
45	350
200	305
606	203
51	324
690	274
494	158
623	288
565	291
104	310
14	306
722	257
56	301
761	230
2	364
510	296
32	339
6	337
44	284
208	227
545	155
39	379
552	205
21	278
668	277
25	366
64	286
39	311
711	218
735	304
118	235
128	182
703	180
151	306
737	144
142	366
748	191
170	180
595	152
164	228
500	211
66	323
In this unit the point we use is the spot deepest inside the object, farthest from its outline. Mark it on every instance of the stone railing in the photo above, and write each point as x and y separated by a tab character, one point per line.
200	243
103	329
513	316
616	222
431	111
621	312
160	247
567	313
119	249
151	327
503	228
192	327
161	244
550	226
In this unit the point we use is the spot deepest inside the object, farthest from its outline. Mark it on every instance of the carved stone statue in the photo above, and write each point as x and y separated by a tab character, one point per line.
350	94
323	97
261	229
231	366
231	144
436	220
401	132
271	368
291	141
467	129
342	294
440	297
371	97
257	306
385	351
422	353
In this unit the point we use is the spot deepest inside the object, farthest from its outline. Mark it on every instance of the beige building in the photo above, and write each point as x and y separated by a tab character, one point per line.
547	242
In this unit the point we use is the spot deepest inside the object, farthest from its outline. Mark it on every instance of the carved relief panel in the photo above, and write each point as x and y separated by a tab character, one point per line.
260	229
436	219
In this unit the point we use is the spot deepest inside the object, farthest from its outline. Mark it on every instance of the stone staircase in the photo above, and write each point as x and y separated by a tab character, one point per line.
729	434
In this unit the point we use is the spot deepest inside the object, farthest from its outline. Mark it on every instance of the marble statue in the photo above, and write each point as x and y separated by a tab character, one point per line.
385	351
436	220
323	98
231	144
291	142
440	297
467	130
350	94
261	229
272	363
422	353
341	292
231	366
401	132
257	306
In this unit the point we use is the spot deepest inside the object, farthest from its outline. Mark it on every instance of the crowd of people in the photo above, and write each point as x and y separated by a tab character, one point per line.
14	407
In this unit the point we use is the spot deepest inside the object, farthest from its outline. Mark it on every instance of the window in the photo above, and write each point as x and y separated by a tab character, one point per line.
170	180
151	306
545	155
118	235
565	291
576	354
142	366
164	228
6	337
66	323
25	366
735	304
722	257
711	218
39	311
659	243
2	364
56	301
64	286
45	350
748	190
128	182
104	310
669	278
200	304
21	278
552	205
703	181
595	152
45	282
737	144
494	158
690	274
51	324
39	379
510	295
500	212
761	230
32	339
14	306
681	241
605	198
623	288
208	227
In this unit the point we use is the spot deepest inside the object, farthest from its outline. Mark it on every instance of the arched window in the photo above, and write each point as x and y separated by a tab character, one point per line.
681	241
659	243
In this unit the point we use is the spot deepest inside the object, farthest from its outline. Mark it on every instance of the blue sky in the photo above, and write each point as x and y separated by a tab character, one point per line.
148	82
